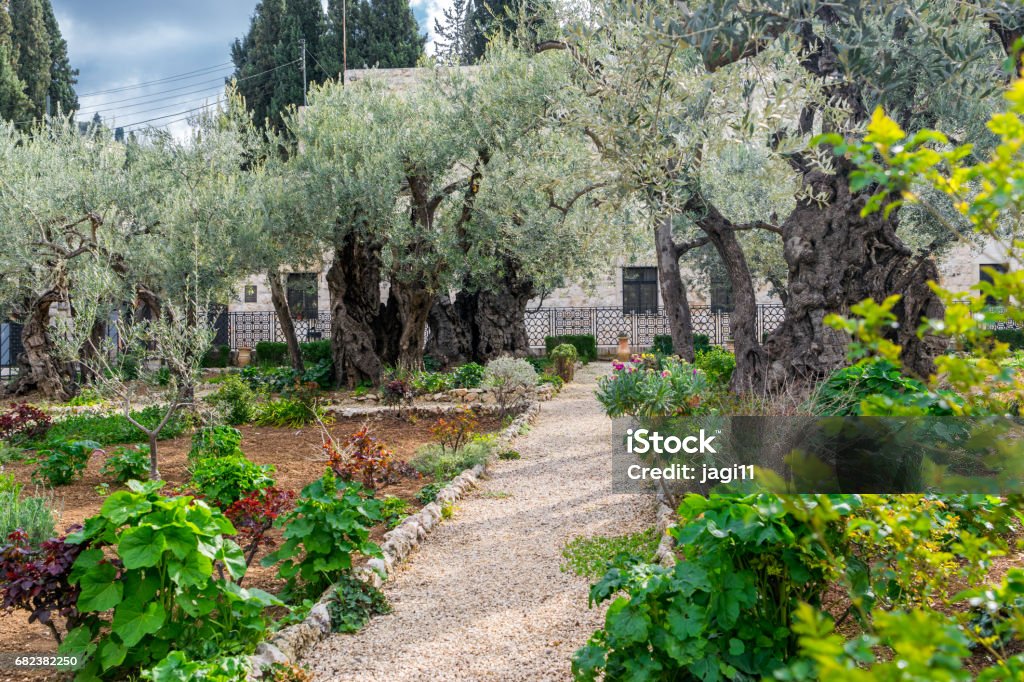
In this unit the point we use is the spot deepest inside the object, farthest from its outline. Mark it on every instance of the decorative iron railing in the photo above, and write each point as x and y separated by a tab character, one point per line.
10	348
246	329
607	323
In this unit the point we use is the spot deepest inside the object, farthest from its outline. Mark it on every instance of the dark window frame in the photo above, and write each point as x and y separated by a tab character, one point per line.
303	296
639	290
250	293
983	276
720	294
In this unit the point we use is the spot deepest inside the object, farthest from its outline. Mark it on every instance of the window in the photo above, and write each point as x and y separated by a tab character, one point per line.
302	295
721	293
250	293
984	276
639	290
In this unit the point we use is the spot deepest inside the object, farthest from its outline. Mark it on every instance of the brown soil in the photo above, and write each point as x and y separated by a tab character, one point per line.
298	457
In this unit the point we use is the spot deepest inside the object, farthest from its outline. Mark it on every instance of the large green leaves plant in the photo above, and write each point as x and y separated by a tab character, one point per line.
163	567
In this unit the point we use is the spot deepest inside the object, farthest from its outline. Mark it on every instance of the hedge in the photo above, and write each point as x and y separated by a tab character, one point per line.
585	344
217	356
315	351
275	353
1013	337
663	343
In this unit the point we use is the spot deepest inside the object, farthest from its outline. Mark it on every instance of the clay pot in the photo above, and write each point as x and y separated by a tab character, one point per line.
624	353
244	356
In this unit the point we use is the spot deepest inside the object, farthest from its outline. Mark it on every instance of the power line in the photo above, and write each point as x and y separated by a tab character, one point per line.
164	107
168	79
126	126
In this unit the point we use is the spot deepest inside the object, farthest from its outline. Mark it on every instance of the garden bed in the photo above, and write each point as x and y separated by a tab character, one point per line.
297	455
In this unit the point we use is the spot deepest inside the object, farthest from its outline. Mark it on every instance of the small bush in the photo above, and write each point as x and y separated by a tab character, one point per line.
31	515
428	493
701	342
320	373
225	480
424	383
509	455
125	463
254	515
268	379
662	344
511	380
272	353
235	399
541	363
397	389
114	428
360	457
23	422
393	510
288	413
717	364
218	356
565	357
455	430
469	375
592	557
353	602
63	461
585	344
552	379
215	441
1013	337
87	396
444	464
316	351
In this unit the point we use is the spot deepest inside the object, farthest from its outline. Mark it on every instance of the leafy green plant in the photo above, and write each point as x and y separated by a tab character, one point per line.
511	380
662	344
164	569
87	396
393	510
633	389
215	441
288	413
592	557
218	356
235	399
272	379
9	484
177	667
445	464
877	386
509	455
113	429
724	611
271	353
329	524
552	379
32	515
432	382
717	364
126	463
469	375
316	351
63	461
428	493
565	357
585	344
353	602
320	373
222	481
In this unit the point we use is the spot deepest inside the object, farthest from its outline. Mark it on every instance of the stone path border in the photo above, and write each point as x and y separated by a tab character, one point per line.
291	643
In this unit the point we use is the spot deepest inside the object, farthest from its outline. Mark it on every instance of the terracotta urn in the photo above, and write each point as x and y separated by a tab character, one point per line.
623	354
244	356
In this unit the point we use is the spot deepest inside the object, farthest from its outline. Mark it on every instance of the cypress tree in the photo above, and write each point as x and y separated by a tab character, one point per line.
32	44
14	103
62	76
381	33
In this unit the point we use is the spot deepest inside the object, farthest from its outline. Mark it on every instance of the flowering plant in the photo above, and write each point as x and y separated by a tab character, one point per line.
649	386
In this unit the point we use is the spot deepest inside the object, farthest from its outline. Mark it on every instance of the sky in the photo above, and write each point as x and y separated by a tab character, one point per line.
119	44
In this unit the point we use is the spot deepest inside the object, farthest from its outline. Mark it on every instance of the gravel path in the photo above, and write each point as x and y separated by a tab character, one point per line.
484	598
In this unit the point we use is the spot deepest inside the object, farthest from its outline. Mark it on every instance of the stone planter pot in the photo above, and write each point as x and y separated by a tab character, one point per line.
244	356
623	354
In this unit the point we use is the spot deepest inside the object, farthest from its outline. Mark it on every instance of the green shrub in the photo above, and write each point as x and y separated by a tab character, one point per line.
316	351
33	515
701	342
353	602
393	510
749	562
510	379
468	375
87	396
717	364
63	461
177	667
9	484
552	379
1013	337
126	463
585	344
272	379
222	481
509	455
163	568
445	464
541	363
428	493
272	353
217	356
330	523
876	386
425	383
565	357
634	391
592	557
320	373
114	428
215	441
662	344
287	413
235	399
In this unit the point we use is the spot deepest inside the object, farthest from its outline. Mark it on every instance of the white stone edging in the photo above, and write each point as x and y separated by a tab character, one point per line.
290	644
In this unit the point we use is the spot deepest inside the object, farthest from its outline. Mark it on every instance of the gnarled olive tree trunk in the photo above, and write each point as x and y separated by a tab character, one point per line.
353	281
38	369
279	298
673	291
836	259
413	305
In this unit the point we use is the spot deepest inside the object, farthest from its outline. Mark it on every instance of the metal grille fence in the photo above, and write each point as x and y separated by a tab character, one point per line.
246	329
607	323
10	348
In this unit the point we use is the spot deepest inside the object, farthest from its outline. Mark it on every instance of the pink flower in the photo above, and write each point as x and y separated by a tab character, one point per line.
618	366
665	374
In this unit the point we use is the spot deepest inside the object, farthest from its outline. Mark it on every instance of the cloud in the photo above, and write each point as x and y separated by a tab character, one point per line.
427	12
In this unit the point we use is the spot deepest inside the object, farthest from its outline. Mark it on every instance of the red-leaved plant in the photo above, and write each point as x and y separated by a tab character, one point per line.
254	515
361	457
35	579
455	430
23	421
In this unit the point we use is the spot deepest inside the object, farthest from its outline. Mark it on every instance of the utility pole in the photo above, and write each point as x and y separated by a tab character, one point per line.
344	40
302	43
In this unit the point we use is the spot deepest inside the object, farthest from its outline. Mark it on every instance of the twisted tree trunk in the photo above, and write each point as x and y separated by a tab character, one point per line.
279	298
353	282
37	368
673	291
